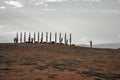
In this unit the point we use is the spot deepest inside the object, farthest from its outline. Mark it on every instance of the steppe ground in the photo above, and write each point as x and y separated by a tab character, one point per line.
57	62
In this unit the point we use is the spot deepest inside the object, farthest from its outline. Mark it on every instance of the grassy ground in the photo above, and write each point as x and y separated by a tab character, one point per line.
58	62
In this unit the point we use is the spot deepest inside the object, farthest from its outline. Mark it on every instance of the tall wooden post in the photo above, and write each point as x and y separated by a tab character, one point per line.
21	37
38	37
42	37
24	37
50	36
34	37
90	44
17	37
70	38
60	38
55	37
46	37
65	39
29	38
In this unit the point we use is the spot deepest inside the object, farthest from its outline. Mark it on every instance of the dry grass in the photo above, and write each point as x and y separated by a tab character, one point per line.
57	62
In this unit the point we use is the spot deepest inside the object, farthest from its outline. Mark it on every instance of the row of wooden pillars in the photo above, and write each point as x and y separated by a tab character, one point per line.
39	38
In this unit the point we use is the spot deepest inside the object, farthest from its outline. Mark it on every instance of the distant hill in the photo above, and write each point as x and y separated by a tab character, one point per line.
83	45
103	45
107	45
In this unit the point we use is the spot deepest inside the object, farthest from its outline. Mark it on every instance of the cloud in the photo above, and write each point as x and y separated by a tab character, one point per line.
98	11
49	9
96	24
54	0
91	0
118	36
83	39
2	7
37	3
1	26
14	3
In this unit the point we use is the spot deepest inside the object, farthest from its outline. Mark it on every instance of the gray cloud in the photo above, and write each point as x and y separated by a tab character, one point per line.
99	23
14	3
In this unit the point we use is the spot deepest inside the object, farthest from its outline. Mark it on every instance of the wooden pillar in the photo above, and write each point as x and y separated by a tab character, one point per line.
24	37
46	37
29	38
60	38
34	37
70	38
17	37
21	37
90	44
65	39
50	36
38	37
42	37
55	37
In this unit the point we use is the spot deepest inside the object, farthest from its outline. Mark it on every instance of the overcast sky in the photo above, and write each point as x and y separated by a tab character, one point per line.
96	20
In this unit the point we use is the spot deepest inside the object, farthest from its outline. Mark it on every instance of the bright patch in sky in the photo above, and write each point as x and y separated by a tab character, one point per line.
46	5
92	0
14	3
118	36
1	26
37	3
54	0
2	7
83	39
49	9
119	1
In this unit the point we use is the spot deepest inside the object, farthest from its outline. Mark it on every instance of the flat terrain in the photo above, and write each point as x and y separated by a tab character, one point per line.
57	62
